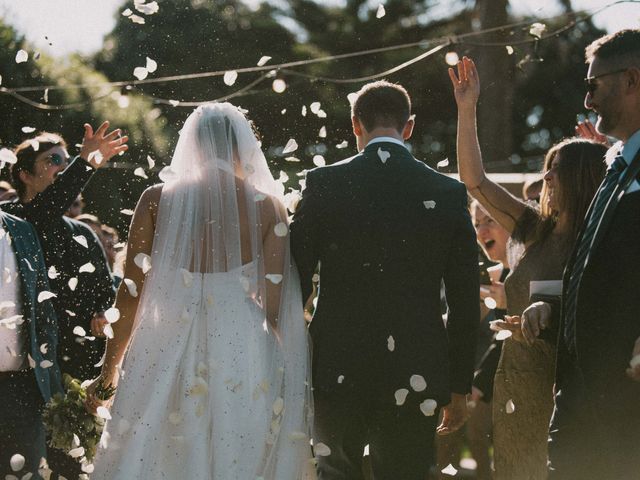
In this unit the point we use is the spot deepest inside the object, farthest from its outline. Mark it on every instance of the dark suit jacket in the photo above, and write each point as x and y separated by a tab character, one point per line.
383	256
608	315
40	318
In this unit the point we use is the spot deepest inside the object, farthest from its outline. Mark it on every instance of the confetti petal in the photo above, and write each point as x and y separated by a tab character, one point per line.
140	73
274	278
428	407
401	396
131	287
137	19
46	363
323	132
429	204
108	331
451	58
509	50
88	268
321	450
279	85
443	163
263	60
28	129
151	65
103	412
17	462
537	29
319	161
383	155
449	470
343	144
230	77
151	162
340	378
315	107
139	172
510	407
281	229
490	303
22	56
7	156
291	146
45	295
143	261
79	331
381	11
126	211
418	383
503	334
112	315
52	273
82	240
391	343
72	283
147	8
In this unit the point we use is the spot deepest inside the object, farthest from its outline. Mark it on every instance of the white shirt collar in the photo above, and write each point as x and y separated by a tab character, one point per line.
386	139
631	147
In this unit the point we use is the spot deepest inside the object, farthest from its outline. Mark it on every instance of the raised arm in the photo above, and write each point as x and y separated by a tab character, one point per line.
500	204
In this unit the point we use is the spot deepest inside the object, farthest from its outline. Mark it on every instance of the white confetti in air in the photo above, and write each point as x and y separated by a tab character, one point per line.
103	412
281	229
96	156
108	331
167	174
401	396
45	295
143	261
73	283
323	132
86	468
274	278
503	334
391	343
635	361
510	407
187	277
230	77
319	161
322	114
428	407
283	178
127	13
21	56
126	211
52	273
343	144
383	155
147	8
509	50
137	19
537	29
322	450
174	103
79	452
381	11
46	364
82	240
140	73
79	331
76	440
340	378
7	156
139	172
303	112
35	144
44	348
279	85
291	146
70	313
418	383
490	303
443	163
429	204
315	107
88	268
451	58
263	60
278	406
17	462
151	162
151	65
449	470
112	314
292	159
28	129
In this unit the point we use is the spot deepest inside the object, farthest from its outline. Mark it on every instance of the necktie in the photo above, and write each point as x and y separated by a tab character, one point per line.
584	247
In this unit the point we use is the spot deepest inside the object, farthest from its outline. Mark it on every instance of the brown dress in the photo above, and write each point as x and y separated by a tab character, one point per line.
525	374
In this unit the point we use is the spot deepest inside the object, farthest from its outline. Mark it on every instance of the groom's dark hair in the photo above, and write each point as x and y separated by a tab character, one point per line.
382	104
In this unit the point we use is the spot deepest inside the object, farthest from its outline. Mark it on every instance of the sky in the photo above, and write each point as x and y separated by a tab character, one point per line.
60	27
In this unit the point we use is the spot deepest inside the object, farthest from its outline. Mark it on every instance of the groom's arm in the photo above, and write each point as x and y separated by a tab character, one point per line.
304	235
462	282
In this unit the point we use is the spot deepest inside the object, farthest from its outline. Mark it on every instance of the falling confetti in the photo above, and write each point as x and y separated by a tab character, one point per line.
140	73
274	278
81	239
46	364
429	204
443	163
401	396
126	211
28	129
510	407
490	303
323	132
263	60
340	378
381	11
45	295
383	155
139	172
137	19
537	29
391	343
449	470
418	383
281	229
7	156
321	450
503	335
151	162
319	161
103	412
279	85
52	273
451	58
343	144
72	283
147	8
291	146
143	261
509	50
21	56
230	77
17	462
112	315
151	65
428	407
87	268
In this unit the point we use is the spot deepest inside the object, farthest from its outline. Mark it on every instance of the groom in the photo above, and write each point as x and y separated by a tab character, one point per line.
387	231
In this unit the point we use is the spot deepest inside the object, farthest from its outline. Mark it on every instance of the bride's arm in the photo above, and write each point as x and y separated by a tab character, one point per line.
140	241
274	250
500	204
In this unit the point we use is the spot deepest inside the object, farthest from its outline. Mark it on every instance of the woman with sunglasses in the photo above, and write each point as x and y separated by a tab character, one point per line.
573	170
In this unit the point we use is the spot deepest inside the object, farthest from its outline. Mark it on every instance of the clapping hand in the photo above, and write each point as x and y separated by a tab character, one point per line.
466	84
587	130
634	365
107	145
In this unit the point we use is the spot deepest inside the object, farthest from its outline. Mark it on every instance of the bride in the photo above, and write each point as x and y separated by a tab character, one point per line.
215	383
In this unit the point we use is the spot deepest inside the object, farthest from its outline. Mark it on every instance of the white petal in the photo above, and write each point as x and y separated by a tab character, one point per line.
112	315
140	73
281	229
73	283
291	146
103	412
418	383
127	12
17	462
429	204
230	77
391	343
263	60
315	107
340	378
7	156
126	211
82	240
490	303
319	161
52	272
428	407
279	85
537	29
143	261
108	330
137	19
274	278
303	111
443	163
151	162
278	406
45	295
449	470
503	334
28	129
44	348
131	287
77	452
147	8
323	132
510	407
381	12
321	450
46	363
401	396
322	114
140	172
509	50
292	159
151	65
21	56
451	59
76	441
88	268
383	155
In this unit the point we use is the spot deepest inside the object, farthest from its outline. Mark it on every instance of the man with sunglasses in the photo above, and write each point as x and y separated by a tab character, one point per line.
595	428
47	184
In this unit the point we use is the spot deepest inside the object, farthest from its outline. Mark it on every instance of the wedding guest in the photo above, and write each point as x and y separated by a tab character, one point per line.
47	185
595	430
7	192
76	208
29	373
492	239
573	169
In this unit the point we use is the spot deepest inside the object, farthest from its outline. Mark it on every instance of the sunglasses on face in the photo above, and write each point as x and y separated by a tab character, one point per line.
590	84
56	159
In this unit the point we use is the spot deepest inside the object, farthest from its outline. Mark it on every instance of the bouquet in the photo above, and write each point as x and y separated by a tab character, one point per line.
70	426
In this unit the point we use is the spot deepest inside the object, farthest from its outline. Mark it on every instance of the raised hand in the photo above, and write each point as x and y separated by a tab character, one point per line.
107	145
466	84
587	130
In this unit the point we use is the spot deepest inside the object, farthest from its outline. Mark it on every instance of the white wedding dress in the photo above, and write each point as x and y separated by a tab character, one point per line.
209	390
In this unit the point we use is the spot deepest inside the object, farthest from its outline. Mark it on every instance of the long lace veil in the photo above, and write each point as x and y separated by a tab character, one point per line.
222	211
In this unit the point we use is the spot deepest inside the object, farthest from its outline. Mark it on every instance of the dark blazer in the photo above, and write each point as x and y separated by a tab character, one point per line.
40	318
608	316
383	255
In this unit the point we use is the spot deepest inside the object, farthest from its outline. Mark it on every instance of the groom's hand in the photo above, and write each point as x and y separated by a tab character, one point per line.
454	414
